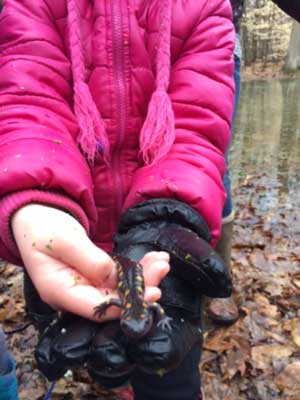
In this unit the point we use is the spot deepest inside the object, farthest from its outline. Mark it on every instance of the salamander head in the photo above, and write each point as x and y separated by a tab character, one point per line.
136	328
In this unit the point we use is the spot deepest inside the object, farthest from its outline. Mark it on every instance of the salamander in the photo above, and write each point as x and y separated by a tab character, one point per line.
138	316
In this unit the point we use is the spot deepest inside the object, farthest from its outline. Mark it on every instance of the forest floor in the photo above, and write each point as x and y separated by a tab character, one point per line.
258	358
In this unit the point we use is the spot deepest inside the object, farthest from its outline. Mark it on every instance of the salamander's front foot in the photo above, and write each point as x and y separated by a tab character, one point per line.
100	310
165	323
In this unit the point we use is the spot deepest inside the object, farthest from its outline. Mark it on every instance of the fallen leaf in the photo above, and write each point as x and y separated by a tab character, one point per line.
235	362
218	343
288	379
295	331
262	356
296	252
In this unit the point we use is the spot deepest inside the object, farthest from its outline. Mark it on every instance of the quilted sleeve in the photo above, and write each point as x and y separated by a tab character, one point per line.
202	93
37	124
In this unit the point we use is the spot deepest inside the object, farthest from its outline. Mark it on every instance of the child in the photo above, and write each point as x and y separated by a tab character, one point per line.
115	110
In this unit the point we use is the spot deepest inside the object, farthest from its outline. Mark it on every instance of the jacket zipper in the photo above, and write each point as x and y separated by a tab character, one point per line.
119	72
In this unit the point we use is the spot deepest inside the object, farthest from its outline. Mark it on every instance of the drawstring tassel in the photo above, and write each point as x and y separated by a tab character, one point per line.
92	136
158	132
92	129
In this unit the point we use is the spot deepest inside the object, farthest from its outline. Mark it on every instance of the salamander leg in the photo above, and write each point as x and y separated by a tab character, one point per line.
164	321
100	310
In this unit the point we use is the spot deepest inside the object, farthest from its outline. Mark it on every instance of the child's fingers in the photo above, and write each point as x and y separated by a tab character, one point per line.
155	267
83	300
65	289
154	255
79	252
152	294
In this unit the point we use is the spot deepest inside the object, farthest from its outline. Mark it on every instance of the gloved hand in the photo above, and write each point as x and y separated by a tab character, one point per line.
72	342
163	350
174	227
195	270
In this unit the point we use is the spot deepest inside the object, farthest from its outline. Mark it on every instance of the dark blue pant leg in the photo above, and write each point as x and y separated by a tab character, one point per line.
180	384
227	210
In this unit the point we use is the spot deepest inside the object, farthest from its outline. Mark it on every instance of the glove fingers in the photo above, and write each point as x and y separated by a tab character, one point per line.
164	350
65	345
72	343
108	363
46	360
202	265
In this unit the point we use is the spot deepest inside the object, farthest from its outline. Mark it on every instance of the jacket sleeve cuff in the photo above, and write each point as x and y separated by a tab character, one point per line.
11	203
168	210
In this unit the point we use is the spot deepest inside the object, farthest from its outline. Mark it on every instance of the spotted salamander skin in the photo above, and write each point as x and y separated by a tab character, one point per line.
138	315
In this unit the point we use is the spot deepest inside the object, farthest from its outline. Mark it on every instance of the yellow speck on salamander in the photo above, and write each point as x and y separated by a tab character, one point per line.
161	372
127	291
128	305
187	257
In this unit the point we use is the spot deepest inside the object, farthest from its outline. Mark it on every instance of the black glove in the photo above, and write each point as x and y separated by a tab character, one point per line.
164	349
72	342
108	362
64	345
169	225
195	270
39	313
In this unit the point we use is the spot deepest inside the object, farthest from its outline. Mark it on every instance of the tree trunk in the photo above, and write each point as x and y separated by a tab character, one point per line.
292	62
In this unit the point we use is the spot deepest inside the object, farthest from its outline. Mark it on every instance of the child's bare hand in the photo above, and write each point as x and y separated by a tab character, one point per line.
68	270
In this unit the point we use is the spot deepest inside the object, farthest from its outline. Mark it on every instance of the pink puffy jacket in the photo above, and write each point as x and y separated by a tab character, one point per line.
104	104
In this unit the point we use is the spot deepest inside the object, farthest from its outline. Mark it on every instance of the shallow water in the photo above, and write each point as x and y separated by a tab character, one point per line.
267	139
